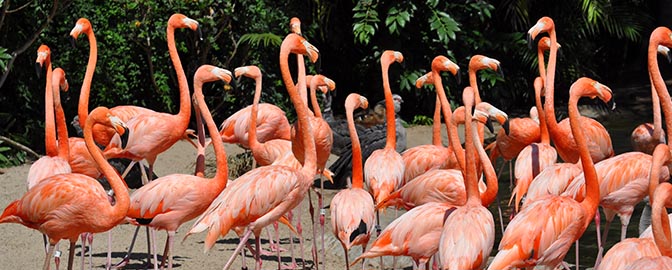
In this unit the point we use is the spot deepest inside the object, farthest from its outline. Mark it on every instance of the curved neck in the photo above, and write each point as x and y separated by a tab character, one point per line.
541	63
221	176
49	125
389	108
473	82
659	156
310	160
660	87
492	186
83	108
453	136
549	107
252	133
657	119
357	175
543	128
301	83
436	125
61	127
118	186
313	98
592	198
470	178
185	104
660	220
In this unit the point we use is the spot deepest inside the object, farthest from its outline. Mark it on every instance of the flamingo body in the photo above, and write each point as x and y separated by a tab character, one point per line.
469	246
523	132
442	186
271	124
642	138
383	171
534	156
651	263
599	142
626	252
423	158
553	180
46	166
350	208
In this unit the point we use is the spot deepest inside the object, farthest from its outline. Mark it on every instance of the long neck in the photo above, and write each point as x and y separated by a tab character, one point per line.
436	126
660	220
83	108
49	125
252	133
661	88
310	160
313	99
541	63
61	127
549	86
659	156
301	82
185	105
357	175
473	82
491	183
545	139
470	179
122	200
453	136
221	176
389	109
592	198
657	119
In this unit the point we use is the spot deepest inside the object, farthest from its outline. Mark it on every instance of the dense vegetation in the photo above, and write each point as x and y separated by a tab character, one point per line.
600	38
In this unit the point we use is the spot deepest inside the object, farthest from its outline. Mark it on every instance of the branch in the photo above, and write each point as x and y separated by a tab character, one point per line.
30	41
5	6
19	146
19	8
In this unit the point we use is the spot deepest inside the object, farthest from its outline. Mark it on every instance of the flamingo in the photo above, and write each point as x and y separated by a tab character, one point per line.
645	137
543	231
384	169
152	133
625	177
423	158
244	203
352	211
66	205
599	142
535	157
171	200
627	251
56	160
468	232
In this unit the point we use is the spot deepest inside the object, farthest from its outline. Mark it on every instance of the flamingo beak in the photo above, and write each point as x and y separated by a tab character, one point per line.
72	41
200	33
530	41
506	127
500	71
488	124
458	77
611	104
38	69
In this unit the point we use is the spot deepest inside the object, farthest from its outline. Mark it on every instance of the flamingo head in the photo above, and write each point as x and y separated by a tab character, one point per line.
534	114
478	62
544	24
209	73
539	84
424	79
321	82
493	113
118	125
666	52
252	72
295	26
62	82
43	55
83	25
545	44
178	20
354	101
442	63
587	87
390	56
468	96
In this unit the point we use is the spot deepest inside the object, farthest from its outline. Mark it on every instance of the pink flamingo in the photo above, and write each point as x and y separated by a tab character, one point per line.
243	203
535	157
171	200
384	169
56	160
471	221
599	142
352	212
423	158
152	133
66	205
543	231
629	250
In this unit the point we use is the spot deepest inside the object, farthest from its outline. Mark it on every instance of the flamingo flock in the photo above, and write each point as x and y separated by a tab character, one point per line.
444	191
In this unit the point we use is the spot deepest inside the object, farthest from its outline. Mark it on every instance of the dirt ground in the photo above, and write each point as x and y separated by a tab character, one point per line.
22	247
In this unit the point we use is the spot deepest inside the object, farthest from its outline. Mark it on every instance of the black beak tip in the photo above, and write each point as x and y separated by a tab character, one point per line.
530	42
458	77
500	71
488	124
669	57
318	64
72	41
506	127
38	69
200	33
124	138
233	84
611	104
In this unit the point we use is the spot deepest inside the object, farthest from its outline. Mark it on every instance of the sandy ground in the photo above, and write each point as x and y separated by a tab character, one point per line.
22	247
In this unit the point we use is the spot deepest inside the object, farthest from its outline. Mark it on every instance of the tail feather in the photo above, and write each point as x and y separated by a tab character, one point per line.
381	247
506	259
9	215
393	199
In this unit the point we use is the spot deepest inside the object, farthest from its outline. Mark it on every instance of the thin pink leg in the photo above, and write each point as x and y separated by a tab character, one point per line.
239	248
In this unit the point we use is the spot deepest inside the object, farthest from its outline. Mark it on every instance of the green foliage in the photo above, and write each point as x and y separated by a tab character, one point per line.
261	39
397	17
4	57
423	120
366	19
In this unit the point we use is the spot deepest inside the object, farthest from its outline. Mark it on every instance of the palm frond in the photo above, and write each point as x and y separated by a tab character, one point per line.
261	39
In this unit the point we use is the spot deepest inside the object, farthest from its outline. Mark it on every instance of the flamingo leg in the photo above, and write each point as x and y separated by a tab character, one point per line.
576	250
108	264
311	210
57	257
499	206
600	241
50	252
126	258
323	213
239	248
363	251
165	255
299	229
290	216
171	241
83	255
71	254
257	257
89	238
128	168
347	261
153	246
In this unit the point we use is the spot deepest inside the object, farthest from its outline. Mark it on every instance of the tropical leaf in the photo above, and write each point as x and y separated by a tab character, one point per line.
261	39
